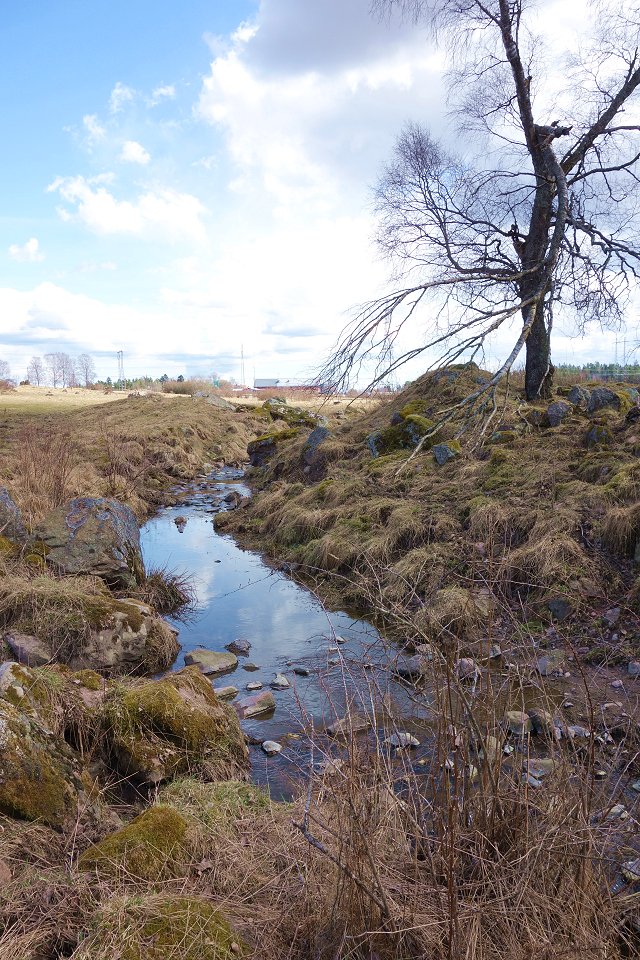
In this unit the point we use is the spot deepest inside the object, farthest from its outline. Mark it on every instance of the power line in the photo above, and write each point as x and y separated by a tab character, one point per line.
121	380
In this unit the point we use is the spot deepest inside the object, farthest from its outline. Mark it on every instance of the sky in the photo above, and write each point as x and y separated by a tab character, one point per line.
184	182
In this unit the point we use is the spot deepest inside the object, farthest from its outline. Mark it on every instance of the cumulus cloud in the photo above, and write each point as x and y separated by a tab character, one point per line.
120	96
28	252
159	213
134	152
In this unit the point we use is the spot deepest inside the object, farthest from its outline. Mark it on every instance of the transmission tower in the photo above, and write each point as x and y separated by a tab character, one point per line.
121	380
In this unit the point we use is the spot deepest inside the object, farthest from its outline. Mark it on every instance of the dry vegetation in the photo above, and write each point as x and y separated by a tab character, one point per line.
492	846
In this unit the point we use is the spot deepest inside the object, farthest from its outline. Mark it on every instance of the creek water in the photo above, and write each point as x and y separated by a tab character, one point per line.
239	596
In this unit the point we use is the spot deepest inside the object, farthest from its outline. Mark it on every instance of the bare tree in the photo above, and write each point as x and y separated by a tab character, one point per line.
55	367
5	370
543	215
68	370
36	371
86	369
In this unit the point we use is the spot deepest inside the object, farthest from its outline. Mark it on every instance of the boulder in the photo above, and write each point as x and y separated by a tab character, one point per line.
403	739
156	730
159	926
597	436
27	649
256	705
467	670
11	526
603	397
311	455
39	774
543	723
271	747
226	693
280	682
133	640
148	849
444	452
551	663
262	449
412	668
95	536
557	412
211	661
579	397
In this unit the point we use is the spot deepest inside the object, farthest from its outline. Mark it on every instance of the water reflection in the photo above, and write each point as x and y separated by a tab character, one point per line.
240	596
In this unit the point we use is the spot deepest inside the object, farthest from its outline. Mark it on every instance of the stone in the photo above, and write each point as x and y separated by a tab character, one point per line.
579	397
634	668
531	781
616	684
602	397
539	767
11	524
40	776
261	450
495	651
551	663
95	536
211	661
543	722
181	523
631	870
557	412
617	812
226	693
560	608
492	748
403	739
255	685
412	668
518	723
271	747
280	682
156	730
346	726
577	732
312	455
612	616
133	640
239	647
301	671
597	436
149	848
444	452
636	786
27	649
256	705
250	667
467	670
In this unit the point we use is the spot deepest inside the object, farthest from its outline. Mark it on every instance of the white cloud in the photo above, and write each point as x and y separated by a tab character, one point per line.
134	152
159	213
94	129
165	92
28	252
120	96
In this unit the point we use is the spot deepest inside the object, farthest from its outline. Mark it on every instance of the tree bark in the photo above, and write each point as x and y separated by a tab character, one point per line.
539	370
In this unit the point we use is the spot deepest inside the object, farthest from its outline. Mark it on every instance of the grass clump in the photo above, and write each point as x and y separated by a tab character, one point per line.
166	591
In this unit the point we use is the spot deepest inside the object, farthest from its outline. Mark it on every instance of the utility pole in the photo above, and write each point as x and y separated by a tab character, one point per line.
242	365
121	380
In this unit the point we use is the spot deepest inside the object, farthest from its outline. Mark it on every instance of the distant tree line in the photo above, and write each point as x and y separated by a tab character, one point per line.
58	369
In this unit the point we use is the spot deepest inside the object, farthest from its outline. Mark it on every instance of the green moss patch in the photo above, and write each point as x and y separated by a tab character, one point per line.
148	848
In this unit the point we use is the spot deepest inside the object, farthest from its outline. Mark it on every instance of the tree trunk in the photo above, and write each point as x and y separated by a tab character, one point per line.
539	370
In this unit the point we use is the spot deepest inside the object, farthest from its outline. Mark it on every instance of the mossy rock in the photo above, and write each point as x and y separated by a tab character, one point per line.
263	448
400	436
160	729
151	848
161	927
216	804
40	777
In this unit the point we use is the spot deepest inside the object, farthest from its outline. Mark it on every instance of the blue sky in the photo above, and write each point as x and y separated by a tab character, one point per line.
181	180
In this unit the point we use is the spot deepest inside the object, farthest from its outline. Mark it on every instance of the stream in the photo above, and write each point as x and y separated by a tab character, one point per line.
239	596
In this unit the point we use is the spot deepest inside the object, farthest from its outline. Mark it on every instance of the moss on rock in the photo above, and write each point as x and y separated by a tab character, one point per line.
149	848
165	728
161	927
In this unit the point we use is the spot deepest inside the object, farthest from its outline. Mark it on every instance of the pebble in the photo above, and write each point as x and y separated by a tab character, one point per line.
518	722
567	704
332	649
467	670
341	639
271	747
616	684
256	685
301	671
531	781
634	668
280	682
636	786
250	667
403	739
334	661
617	812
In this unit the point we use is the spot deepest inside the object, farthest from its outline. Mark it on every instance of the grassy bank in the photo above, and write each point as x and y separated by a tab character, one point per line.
506	574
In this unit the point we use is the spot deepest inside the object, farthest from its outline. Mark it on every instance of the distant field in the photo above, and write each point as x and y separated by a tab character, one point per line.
47	400
327	404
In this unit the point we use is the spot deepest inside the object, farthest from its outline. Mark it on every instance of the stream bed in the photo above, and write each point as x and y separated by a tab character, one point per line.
239	596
